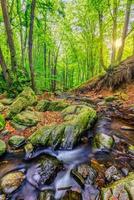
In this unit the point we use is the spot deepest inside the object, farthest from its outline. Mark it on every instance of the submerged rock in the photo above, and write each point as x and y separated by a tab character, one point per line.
43	171
26	98
47	105
2	122
16	141
46	195
2	147
121	189
77	119
27	118
102	141
72	195
11	181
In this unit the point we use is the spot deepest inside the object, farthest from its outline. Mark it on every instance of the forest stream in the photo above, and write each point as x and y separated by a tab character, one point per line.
80	159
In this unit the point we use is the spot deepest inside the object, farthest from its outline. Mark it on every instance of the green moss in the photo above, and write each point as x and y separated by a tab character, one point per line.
46	105
43	105
16	140
102	141
26	118
41	136
2	147
110	98
2	122
26	98
1	107
123	187
77	119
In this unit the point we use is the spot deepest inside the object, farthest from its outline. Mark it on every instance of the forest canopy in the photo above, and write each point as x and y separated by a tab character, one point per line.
59	44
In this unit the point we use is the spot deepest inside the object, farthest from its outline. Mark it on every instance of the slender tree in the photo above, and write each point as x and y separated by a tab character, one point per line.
9	34
4	67
30	42
114	32
100	14
124	32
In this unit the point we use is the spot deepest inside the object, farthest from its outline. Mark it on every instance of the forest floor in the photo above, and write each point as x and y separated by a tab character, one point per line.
126	95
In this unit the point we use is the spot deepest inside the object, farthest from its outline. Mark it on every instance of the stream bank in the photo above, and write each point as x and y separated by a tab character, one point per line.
90	149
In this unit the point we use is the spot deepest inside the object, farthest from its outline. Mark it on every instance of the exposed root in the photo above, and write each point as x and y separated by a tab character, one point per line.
114	78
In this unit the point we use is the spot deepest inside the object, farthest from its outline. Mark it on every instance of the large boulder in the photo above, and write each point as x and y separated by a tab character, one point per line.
47	105
2	147
26	98
2	122
11	181
77	119
27	118
121	189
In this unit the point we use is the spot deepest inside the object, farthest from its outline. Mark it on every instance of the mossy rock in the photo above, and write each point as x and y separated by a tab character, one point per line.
2	147
2	107
6	101
26	98
11	181
110	98
27	118
2	122
123	188
47	105
67	134
102	141
16	141
131	149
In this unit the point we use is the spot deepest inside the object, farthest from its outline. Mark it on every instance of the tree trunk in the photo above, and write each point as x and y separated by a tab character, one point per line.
21	33
9	34
125	29
101	40
133	45
114	32
4	67
30	53
45	61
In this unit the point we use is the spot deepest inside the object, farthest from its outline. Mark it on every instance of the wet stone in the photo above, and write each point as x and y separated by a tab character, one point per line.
16	141
46	195
90	193
43	171
72	195
11	181
112	174
2	197
2	147
122	189
85	174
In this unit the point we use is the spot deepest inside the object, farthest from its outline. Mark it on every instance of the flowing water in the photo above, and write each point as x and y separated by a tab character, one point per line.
70	159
